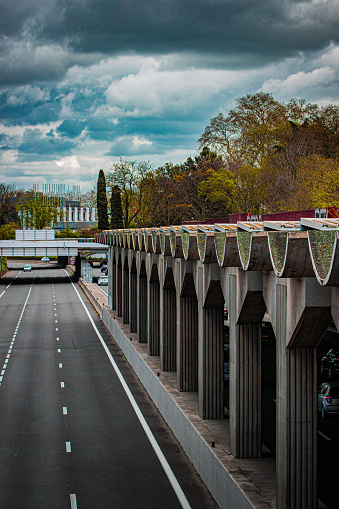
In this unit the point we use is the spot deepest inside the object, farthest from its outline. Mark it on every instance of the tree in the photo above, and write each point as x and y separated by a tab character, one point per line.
89	199
7	231
102	202
318	183
117	217
128	176
248	132
8	201
38	211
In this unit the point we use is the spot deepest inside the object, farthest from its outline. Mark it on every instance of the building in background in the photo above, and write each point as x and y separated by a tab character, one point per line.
72	214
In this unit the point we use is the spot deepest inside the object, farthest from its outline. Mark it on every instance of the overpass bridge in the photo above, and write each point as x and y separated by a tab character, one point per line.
169	286
52	247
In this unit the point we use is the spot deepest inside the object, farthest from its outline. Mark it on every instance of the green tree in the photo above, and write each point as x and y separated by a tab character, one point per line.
102	202
7	231
38	211
117	217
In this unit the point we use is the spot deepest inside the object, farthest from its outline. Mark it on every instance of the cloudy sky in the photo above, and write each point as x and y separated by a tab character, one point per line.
83	82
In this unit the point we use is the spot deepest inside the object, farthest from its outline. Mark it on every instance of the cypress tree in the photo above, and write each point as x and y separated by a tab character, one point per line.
117	218
102	202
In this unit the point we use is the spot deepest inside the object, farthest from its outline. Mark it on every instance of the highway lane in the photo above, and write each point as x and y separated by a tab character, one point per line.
69	436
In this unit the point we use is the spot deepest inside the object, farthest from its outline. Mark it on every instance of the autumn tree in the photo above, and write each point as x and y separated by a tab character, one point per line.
102	202
9	197
128	176
117	218
159	198
193	204
248	132
266	144
318	183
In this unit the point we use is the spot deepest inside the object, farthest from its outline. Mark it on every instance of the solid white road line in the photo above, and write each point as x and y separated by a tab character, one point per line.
170	475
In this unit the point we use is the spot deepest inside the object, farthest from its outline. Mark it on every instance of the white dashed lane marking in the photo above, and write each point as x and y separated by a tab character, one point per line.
73	499
14	335
68	446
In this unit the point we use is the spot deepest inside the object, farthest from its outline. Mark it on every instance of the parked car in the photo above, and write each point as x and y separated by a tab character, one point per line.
103	280
330	363
328	398
103	268
45	259
27	267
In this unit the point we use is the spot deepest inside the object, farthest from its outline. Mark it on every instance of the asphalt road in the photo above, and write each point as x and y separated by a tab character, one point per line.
69	435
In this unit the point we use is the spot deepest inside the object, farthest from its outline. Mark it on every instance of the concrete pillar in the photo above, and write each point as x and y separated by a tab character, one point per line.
119	287
187	349
142	321
133	298
125	293
211	383
246	311
154	313
114	282
302	316
169	342
110	279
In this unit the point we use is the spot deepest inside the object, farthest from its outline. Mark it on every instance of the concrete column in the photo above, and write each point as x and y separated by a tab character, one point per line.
142	321
169	343
119	287
302	315
114	282
133	298
187	348
154	314
110	279
211	346
125	293
246	311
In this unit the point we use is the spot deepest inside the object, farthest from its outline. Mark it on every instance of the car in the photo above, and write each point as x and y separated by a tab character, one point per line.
27	267
45	259
103	280
330	363
103	268
328	399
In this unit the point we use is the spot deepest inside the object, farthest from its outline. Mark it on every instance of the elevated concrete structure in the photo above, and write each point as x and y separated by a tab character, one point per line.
169	286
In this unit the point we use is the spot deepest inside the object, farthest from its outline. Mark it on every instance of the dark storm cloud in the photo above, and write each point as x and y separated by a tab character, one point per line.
248	26
239	30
